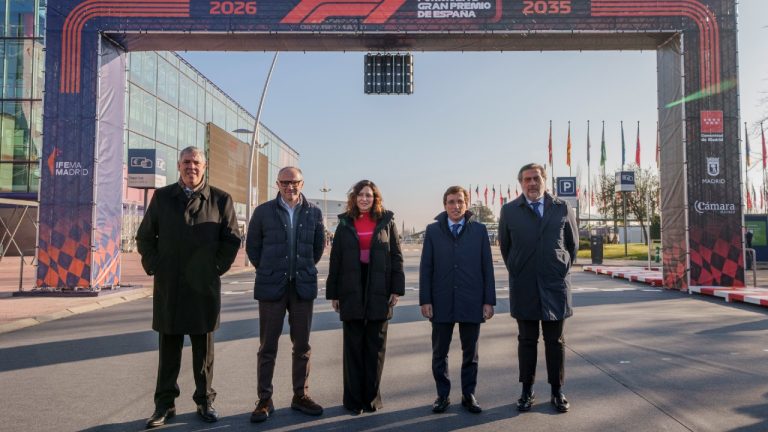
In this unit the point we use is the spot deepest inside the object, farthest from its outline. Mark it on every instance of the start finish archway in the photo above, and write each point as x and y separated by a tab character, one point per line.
695	40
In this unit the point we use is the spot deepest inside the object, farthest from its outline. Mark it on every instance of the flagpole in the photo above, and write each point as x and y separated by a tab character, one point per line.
589	186
623	146
602	150
637	146
551	162
762	135
658	147
746	164
568	148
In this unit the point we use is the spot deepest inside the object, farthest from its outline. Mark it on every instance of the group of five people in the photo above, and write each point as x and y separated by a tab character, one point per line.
189	238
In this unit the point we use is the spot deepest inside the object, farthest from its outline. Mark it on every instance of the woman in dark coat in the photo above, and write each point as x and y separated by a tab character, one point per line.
365	279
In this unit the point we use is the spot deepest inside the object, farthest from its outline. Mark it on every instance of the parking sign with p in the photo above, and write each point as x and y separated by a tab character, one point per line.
566	186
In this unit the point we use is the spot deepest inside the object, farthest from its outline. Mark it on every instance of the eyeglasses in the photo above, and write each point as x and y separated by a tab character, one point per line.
286	183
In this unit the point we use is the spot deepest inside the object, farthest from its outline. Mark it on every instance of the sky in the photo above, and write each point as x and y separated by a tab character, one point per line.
474	118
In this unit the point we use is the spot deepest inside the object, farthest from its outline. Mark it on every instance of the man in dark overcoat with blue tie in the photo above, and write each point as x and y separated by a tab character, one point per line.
456	285
538	236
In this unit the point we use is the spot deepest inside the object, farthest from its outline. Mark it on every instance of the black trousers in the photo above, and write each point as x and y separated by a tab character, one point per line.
167	388
271	319
554	350
442	333
365	343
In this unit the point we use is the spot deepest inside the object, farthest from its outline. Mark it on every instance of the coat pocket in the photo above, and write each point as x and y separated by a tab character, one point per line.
563	262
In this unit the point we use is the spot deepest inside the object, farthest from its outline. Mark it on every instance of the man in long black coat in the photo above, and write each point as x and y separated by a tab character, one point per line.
187	240
538	237
456	285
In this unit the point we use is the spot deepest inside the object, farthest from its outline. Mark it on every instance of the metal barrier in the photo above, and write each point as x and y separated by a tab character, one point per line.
10	226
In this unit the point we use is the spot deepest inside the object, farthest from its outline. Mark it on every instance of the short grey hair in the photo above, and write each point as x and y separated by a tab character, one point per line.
286	168
193	151
530	166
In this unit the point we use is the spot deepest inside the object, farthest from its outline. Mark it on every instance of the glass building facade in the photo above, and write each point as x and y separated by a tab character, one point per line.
168	107
168	104
22	28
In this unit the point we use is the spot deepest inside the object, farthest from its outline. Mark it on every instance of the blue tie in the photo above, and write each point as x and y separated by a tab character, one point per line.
535	206
455	230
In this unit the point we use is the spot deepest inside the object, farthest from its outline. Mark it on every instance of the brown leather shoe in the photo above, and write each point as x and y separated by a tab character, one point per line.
263	409
305	404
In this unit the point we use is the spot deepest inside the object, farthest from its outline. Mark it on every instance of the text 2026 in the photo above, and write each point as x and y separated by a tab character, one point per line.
233	8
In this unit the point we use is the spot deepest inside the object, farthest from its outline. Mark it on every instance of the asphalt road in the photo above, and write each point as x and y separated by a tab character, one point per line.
638	359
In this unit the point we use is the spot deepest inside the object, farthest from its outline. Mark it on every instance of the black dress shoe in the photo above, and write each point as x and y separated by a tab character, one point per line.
160	416
441	404
207	413
560	402
470	403
526	401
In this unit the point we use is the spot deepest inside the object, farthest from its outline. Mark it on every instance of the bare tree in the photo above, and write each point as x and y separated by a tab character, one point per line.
646	189
482	213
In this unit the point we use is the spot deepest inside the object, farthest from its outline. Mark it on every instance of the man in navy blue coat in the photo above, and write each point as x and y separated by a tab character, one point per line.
538	237
456	285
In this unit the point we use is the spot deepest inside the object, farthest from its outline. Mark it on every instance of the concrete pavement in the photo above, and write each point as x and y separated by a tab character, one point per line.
20	312
638	359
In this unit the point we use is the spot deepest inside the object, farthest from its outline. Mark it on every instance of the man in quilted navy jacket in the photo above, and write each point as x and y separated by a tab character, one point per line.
286	238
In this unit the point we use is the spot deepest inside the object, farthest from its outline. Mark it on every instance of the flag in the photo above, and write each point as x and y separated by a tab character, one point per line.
516	192
493	197
550	143
658	145
588	146
486	195
623	147
501	196
746	139
749	199
592	199
470	195
602	149
762	135
477	191
568	147
637	146
509	193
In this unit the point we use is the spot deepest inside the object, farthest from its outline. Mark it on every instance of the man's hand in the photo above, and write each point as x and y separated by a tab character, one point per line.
426	311
335	304
393	299
487	311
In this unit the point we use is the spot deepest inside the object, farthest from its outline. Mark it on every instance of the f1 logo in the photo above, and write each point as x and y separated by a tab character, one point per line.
566	186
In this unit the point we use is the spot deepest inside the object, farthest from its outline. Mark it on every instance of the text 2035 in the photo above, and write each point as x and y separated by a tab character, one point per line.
233	8
546	7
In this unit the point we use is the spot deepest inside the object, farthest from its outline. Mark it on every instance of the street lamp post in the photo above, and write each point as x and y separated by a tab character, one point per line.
255	146
325	189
